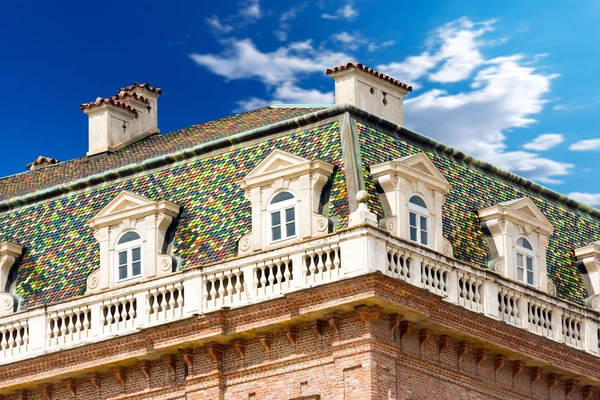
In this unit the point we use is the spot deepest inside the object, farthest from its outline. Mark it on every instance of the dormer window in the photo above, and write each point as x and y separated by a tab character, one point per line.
517	234
282	213
418	220
413	192
525	260
129	256
131	231
285	189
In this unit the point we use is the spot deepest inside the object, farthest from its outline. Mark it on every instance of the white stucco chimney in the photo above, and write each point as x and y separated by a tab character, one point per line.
370	90
120	120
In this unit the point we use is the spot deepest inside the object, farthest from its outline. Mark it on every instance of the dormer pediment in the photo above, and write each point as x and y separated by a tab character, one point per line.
416	167
131	205
280	164
522	211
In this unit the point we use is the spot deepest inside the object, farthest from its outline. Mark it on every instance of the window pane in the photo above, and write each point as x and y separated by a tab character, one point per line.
283	196
519	260
275	218
413	234
122	258
423	223
529	263
524	243
423	237
136	268
520	274
276	232
290	229
136	254
123	272
129	237
413	219
290	214
530	277
418	201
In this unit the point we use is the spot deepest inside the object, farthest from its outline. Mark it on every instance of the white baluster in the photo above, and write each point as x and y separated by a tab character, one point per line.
11	338
3	342
279	276
336	259
286	273
78	324
238	285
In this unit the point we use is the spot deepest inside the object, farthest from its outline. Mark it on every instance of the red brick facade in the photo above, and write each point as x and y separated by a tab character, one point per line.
369	337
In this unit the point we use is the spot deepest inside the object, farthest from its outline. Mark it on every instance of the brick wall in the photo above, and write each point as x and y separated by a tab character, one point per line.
231	355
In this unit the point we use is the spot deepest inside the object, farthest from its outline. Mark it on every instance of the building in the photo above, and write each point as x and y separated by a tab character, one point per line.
292	252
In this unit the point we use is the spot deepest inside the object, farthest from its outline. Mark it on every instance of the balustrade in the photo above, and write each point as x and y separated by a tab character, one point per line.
68	326
434	278
118	315
398	264
223	289
273	277
322	265
509	306
572	330
14	338
470	291
539	318
165	303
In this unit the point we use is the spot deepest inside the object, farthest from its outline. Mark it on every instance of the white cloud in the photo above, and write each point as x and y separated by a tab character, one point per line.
545	142
347	40
454	48
374	46
251	9
346	12
505	93
281	35
586	145
217	26
586	198
279	70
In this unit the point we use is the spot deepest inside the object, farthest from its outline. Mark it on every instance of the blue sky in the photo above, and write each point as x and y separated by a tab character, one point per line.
510	82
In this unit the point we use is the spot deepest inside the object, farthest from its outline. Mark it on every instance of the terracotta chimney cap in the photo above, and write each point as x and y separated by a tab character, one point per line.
41	161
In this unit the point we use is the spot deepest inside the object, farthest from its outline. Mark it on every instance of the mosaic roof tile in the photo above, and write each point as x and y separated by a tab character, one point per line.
472	190
153	146
59	248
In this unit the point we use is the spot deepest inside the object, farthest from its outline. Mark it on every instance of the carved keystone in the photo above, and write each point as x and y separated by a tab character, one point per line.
46	390
120	375
499	362
405	327
369	314
290	334
145	368
444	342
517	368
188	358
214	351
463	349
480	356
171	363
317	328
239	345
553	380
588	392
334	322
424	336
71	386
95	380
265	340
570	385
536	374
395	320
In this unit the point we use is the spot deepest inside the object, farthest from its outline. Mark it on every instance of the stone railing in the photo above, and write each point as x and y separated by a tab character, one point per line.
248	280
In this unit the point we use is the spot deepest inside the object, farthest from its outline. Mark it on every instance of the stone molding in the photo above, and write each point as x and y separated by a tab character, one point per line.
503	224
284	171
9	253
589	261
130	211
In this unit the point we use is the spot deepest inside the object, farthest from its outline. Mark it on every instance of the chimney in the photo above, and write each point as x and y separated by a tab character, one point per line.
117	121
369	90
41	162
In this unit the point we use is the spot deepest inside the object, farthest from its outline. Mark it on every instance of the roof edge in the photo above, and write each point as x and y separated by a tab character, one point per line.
331	111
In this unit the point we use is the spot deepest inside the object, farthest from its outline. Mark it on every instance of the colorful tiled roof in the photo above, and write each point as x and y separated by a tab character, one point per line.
153	146
60	250
472	190
371	71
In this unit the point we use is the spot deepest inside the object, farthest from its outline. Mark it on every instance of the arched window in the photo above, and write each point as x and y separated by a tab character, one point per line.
418	220
129	256
282	217
525	257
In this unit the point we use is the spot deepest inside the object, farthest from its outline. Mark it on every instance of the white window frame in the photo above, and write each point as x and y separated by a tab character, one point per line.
281	207
525	253
420	212
128	247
